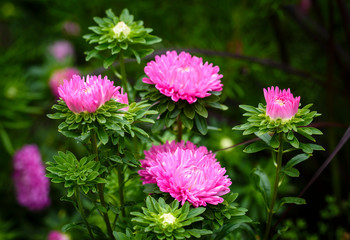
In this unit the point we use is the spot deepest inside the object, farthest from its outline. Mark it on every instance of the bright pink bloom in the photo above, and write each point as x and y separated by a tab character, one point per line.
280	104
88	96
61	50
58	76
56	235
186	172
182	76
121	97
32	187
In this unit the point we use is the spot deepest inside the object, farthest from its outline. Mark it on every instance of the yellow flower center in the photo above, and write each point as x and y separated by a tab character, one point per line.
120	28
279	102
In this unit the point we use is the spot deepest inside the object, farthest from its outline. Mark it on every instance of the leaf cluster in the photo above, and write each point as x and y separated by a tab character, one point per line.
191	115
84	173
151	220
260	123
226	212
135	44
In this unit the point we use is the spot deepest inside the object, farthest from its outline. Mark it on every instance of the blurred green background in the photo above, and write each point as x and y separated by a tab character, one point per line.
303	45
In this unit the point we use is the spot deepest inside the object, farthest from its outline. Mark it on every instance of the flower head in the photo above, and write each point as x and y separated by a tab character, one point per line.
183	76
61	50
88	96
56	235
32	187
58	76
280	104
186	172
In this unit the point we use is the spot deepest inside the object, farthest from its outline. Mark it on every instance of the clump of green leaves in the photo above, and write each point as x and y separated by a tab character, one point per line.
168	221
224	213
119	34
84	173
260	123
191	115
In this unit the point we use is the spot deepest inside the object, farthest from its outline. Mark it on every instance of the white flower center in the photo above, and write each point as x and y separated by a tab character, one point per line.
168	218
121	27
279	102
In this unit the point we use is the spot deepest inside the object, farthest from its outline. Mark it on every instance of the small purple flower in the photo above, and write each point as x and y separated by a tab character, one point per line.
32	187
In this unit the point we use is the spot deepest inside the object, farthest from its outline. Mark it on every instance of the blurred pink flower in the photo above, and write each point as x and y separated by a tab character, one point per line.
88	96
71	28
280	104
182	76
186	172
32	187
56	235
58	76
61	50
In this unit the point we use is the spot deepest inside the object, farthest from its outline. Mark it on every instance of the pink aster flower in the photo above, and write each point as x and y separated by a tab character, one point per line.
186	172
56	235
88	96
61	50
280	104
183	76
121	97
58	76
32	187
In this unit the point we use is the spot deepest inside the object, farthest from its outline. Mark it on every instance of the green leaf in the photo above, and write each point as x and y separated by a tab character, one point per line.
186	121
198	232
275	141
296	160
291	172
102	135
158	125
120	236
292	200
262	184
201	124
316	147
249	108
306	148
91	54
189	111
256	147
195	212
201	110
294	142
109	61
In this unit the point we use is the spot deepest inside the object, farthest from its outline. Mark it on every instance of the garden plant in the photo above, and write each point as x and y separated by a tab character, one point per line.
145	142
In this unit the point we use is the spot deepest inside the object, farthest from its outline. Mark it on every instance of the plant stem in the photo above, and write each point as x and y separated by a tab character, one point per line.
121	189
275	188
81	210
122	71
100	188
179	129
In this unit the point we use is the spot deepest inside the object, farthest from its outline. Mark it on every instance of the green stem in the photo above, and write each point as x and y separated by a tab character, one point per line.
275	188
122	71
121	189
179	129
100	188
81	210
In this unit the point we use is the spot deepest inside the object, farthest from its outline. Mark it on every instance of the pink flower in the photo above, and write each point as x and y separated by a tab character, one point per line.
61	50
71	28
186	172
280	104
58	76
121	97
182	76
56	235
88	96
32	187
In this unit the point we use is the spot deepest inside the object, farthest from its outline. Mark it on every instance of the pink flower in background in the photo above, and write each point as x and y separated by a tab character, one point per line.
87	96
56	235
32	187
183	76
58	76
61	50
71	28
280	104
186	172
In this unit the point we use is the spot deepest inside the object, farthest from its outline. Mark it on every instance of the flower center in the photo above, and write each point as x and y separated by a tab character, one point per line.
280	102
184	69
168	218
120	28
